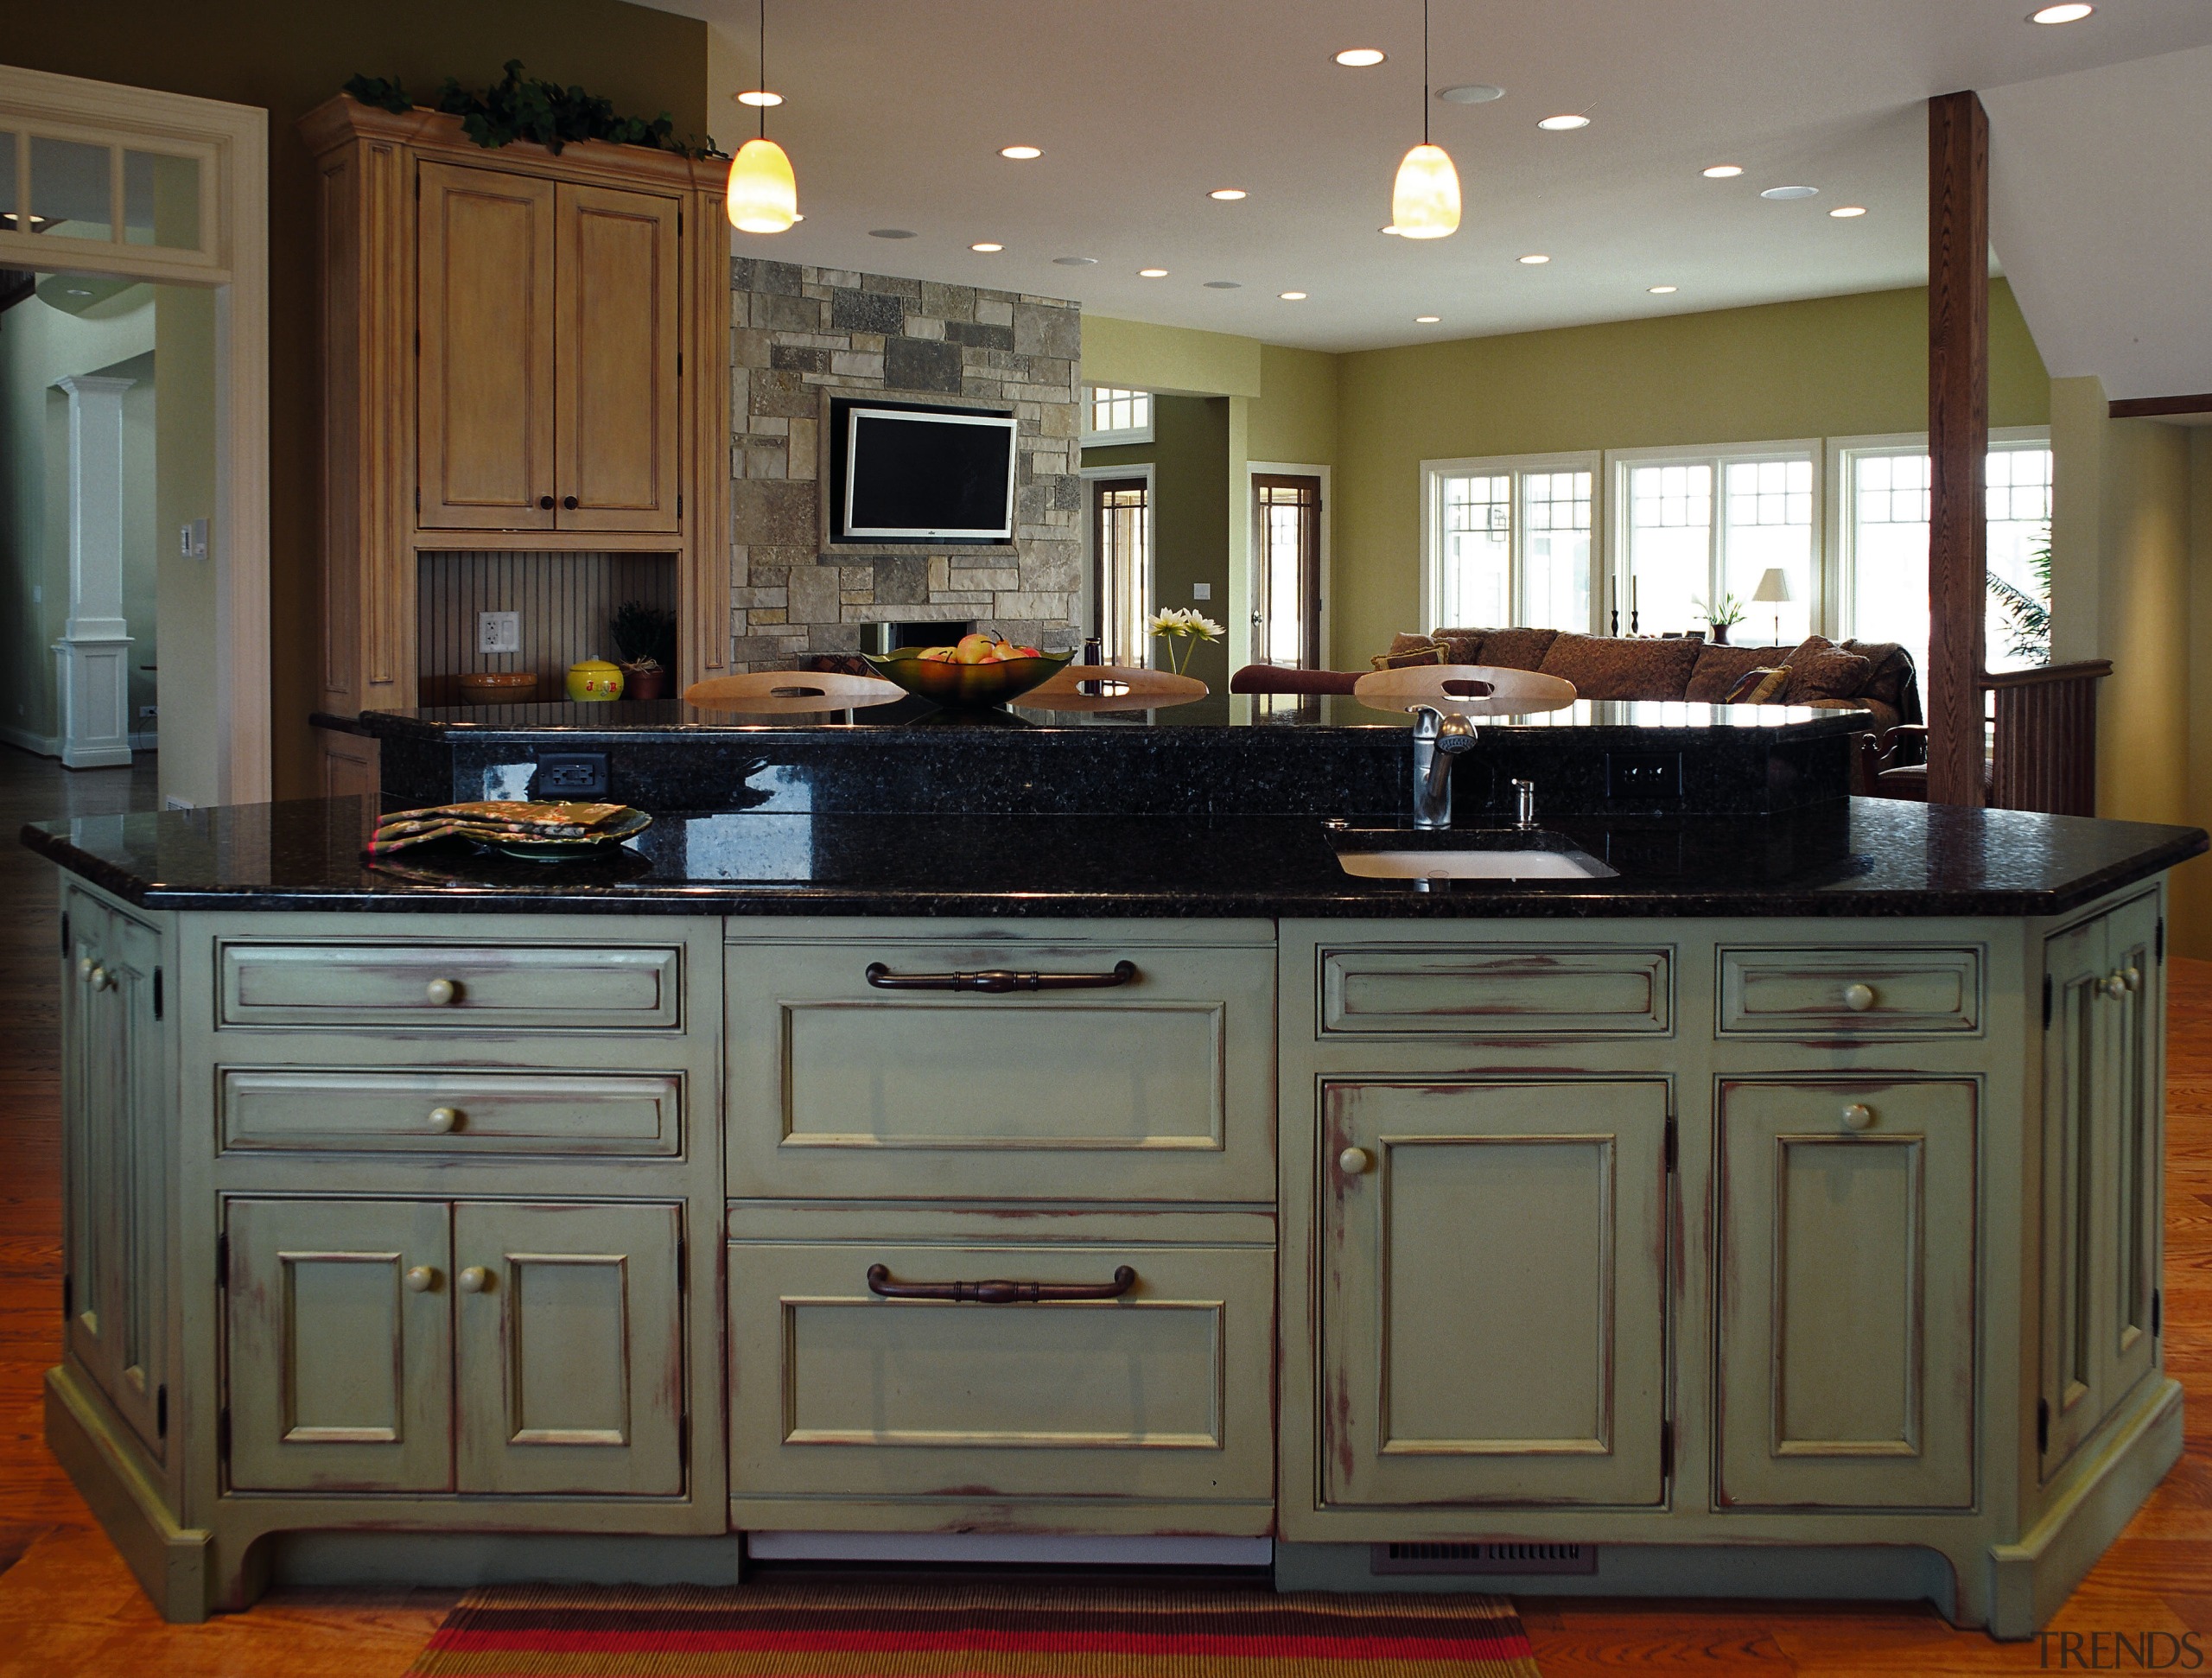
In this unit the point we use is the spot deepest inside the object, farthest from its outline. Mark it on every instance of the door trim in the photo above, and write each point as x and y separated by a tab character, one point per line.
1252	550
237	136
1087	614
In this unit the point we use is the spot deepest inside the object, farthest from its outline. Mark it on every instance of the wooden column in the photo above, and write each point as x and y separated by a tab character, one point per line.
1958	440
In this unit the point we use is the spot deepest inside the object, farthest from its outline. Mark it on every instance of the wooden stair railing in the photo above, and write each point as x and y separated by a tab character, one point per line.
2045	740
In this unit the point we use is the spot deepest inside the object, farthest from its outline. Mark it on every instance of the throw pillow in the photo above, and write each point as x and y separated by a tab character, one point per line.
1720	668
1517	649
1831	673
1758	687
1610	667
1407	651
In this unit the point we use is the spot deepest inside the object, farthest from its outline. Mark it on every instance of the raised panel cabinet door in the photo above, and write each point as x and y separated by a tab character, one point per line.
338	1361
2135	1148
2077	1091
570	1360
1847	1312
1493	1291
615	350
484	368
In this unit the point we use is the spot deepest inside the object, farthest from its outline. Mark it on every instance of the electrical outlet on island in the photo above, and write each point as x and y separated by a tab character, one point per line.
499	632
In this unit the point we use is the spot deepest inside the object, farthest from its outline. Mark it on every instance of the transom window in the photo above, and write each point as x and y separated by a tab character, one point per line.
1116	415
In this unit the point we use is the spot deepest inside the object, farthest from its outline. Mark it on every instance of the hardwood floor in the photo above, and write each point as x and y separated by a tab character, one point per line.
68	1606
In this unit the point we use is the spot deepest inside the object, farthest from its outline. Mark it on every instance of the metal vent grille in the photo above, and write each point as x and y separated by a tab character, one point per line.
1495	1556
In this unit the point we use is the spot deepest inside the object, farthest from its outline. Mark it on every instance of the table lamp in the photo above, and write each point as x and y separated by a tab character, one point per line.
1774	590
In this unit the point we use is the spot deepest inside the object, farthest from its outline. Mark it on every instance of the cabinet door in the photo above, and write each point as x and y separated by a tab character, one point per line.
340	1357
484	379
571	1348
1846	1322
616	361
1493	1265
118	1127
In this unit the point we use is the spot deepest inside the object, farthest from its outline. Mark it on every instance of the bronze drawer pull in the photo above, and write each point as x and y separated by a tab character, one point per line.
999	979
998	1292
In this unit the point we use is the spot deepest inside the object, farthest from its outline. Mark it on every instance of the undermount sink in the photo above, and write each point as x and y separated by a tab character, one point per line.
1447	855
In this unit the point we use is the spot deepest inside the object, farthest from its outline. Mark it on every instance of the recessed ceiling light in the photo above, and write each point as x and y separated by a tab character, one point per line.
1784	194
1845	212
2069	14
1021	154
760	96
1227	194
1560	124
1722	172
1292	296
986	245
1359	58
1472	92
1391	230
1661	290
1077	262
1225	285
1152	273
1427	320
891	233
1534	261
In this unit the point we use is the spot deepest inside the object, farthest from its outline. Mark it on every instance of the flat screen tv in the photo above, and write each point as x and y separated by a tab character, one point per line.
945	477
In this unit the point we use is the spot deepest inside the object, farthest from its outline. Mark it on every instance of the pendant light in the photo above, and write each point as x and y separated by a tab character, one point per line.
1425	202
763	191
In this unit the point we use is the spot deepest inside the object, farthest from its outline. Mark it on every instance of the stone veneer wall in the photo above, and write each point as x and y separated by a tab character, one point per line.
801	335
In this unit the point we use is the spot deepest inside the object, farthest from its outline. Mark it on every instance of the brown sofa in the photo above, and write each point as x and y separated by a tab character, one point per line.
1877	677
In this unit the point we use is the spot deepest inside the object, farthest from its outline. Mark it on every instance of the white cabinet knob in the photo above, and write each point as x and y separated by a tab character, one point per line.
1353	1161
440	991
1859	1115
2114	985
1859	997
443	1119
2133	978
422	1279
475	1280
84	967
102	979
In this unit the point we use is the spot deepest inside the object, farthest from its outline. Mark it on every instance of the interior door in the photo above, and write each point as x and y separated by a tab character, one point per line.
616	361
1121	567
1493	1268
1287	609
339	1351
485	376
1846	1322
571	1348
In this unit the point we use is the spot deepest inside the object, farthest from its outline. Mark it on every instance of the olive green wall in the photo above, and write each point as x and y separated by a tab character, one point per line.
1189	456
288	57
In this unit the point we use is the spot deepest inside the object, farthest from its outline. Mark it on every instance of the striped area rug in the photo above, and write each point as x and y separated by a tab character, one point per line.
797	1628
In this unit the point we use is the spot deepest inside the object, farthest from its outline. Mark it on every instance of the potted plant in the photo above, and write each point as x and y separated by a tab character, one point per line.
1726	610
644	641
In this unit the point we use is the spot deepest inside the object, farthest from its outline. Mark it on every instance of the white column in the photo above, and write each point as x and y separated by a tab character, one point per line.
92	658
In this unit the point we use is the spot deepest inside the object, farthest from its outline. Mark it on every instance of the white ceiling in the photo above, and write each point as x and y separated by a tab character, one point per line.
897	110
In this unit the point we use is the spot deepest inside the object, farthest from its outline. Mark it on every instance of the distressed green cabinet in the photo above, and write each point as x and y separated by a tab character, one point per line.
2103	1143
1493	1303
481	1346
120	1135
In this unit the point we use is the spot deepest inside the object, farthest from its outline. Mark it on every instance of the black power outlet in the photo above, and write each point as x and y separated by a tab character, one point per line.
1643	775
571	775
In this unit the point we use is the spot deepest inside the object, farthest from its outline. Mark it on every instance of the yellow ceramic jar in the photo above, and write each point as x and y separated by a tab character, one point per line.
593	679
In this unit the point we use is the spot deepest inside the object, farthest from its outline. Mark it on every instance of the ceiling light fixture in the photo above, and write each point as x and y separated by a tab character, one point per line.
760	96
891	233
1228	194
2067	13
1427	320
763	194
986	246
1075	262
1225	285
1722	172
1292	296
1392	230
1472	92
1152	273
1021	154
1559	124
1359	58
1534	260
1784	194
1845	212
1662	291
1425	198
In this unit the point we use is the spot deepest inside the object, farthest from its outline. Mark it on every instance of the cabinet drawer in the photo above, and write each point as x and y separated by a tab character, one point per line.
452	1112
1495	990
459	987
1163	1393
1158	1087
1849	993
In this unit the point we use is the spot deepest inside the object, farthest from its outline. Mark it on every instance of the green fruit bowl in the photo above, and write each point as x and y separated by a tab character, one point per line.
963	686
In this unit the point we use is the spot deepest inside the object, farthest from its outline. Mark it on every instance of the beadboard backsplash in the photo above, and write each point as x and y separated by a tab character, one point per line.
566	602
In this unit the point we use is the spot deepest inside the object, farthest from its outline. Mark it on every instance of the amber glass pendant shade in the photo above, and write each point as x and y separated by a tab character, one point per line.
763	191
1425	203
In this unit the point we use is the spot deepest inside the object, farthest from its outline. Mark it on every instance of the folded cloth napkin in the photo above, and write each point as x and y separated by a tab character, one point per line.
490	819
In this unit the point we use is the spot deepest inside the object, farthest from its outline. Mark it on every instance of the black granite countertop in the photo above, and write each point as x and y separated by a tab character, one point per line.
1861	857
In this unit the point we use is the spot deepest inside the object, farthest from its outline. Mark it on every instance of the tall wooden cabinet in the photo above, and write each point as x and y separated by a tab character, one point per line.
522	353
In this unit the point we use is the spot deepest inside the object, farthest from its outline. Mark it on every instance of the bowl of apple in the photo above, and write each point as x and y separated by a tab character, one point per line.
977	670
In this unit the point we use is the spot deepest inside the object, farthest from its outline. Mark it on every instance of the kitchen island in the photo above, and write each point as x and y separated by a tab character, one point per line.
1770	1207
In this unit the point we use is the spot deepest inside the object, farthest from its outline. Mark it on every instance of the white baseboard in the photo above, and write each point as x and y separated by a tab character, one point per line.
1080	1549
45	744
